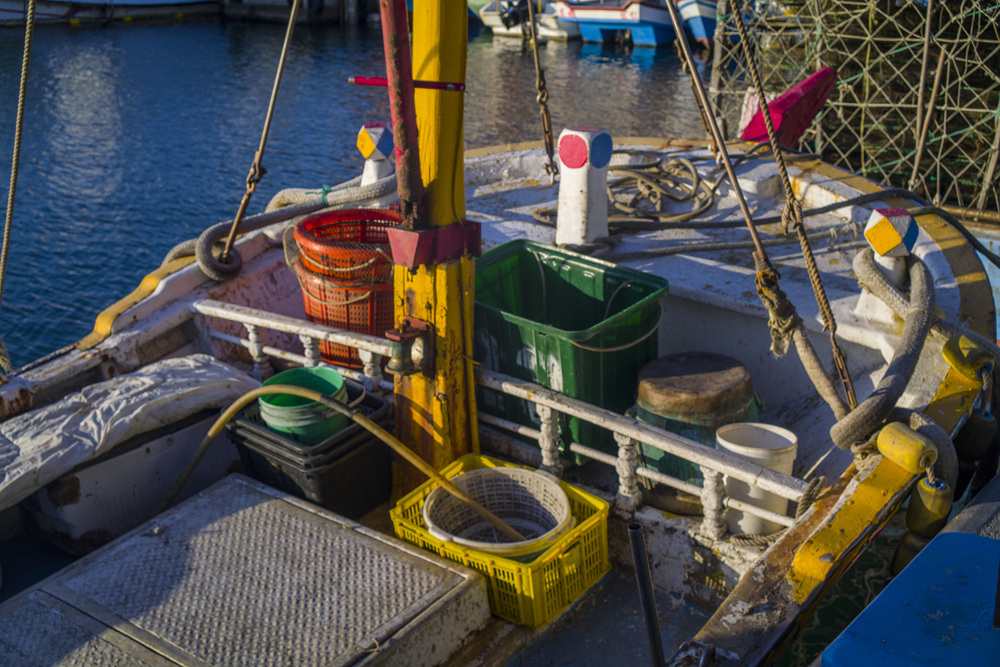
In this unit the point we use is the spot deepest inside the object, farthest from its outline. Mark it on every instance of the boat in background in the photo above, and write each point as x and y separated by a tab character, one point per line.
699	19
509	18
642	23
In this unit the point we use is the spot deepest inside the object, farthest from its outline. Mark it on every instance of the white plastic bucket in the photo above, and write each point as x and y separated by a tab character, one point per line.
770	446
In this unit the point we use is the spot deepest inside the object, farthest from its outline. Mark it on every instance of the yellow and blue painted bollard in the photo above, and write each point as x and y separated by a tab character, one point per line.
584	155
892	232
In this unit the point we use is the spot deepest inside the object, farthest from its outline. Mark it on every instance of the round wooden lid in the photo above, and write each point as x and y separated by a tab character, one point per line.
701	383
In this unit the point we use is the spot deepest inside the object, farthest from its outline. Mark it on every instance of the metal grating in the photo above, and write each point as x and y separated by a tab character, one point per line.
245	575
41	632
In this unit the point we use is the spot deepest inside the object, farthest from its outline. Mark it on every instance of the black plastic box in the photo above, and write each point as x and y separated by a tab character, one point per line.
349	473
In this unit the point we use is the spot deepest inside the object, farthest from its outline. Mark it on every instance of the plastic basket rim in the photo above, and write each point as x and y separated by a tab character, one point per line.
601	509
305	235
539	543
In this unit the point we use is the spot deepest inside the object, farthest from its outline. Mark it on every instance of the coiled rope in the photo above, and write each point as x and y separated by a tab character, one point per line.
918	316
29	31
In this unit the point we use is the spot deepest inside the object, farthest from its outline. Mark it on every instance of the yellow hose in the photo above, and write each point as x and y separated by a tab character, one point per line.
363	421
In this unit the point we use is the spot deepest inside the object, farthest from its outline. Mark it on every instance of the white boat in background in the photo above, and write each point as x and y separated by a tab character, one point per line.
12	12
547	21
644	23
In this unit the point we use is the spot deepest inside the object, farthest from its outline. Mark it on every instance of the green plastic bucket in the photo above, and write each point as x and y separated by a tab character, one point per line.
306	421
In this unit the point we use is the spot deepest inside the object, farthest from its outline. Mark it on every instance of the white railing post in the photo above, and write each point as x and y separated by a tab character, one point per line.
713	525
261	366
372	369
311	347
629	496
549	442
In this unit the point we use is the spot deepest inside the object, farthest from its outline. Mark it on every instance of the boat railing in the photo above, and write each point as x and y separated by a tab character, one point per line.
628	432
371	349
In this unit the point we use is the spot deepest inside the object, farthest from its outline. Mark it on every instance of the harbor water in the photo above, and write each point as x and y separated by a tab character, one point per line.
137	137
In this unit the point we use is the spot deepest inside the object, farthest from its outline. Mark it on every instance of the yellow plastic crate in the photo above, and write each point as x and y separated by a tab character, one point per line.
532	593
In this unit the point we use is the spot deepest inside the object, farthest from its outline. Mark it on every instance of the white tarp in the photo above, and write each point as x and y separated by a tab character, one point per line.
41	445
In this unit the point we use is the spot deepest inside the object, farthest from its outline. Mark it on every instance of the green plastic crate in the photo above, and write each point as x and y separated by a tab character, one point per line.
572	323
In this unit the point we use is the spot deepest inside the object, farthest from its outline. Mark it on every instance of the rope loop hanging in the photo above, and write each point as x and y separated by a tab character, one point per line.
782	317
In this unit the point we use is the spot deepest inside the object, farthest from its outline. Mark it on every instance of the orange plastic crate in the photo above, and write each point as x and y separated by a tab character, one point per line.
532	593
366	309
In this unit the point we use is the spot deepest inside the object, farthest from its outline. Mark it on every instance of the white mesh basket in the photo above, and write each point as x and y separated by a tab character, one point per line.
530	502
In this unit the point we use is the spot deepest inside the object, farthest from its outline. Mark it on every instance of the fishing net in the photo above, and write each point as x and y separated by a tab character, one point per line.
886	68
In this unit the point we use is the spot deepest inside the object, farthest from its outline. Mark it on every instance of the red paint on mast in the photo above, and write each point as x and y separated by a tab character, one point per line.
399	68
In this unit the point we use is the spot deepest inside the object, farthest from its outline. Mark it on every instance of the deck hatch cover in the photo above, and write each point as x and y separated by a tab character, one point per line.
240	576
43	632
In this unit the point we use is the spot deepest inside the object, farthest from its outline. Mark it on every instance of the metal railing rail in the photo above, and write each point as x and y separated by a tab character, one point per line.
721	461
628	432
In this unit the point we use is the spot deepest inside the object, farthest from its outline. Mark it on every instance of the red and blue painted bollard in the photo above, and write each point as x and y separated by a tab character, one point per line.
584	155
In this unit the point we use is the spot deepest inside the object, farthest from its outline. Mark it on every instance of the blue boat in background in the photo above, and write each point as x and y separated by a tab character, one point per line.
644	22
699	19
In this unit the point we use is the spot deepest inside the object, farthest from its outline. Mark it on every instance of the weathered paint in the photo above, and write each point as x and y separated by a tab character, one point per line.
439	54
15	405
106	319
439	407
435	412
826	550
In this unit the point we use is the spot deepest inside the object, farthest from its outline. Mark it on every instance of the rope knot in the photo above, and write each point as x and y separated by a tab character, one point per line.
782	318
792	213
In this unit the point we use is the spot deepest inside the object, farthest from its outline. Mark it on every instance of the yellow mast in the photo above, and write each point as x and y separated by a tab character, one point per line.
435	410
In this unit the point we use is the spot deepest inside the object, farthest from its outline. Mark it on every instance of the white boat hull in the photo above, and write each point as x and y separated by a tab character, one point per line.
648	24
547	22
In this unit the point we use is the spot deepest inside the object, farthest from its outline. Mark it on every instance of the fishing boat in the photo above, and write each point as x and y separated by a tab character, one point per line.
731	481
643	23
496	16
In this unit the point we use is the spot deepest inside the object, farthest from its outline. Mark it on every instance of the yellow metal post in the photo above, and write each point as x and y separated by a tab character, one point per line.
435	412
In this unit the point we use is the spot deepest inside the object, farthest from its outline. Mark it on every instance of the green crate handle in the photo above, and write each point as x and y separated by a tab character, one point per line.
619	348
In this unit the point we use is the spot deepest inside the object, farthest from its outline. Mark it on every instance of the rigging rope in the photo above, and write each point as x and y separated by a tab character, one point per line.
228	261
793	215
29	30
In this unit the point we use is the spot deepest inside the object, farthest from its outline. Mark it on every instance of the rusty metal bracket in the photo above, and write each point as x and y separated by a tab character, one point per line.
412	347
